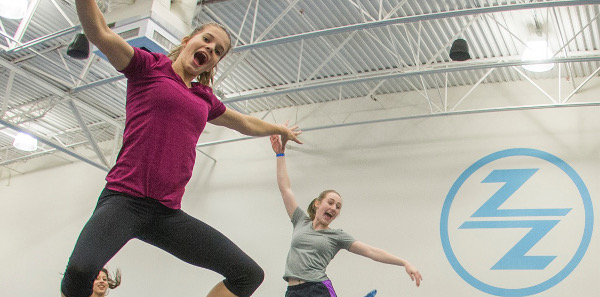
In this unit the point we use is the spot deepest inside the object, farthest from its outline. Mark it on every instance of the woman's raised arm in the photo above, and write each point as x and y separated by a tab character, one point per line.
283	180
116	49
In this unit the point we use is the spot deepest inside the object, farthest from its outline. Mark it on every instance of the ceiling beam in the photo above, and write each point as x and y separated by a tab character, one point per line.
387	74
413	19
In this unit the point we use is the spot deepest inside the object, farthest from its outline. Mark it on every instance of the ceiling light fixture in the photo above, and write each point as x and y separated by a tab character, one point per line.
13	9
459	50
537	50
25	142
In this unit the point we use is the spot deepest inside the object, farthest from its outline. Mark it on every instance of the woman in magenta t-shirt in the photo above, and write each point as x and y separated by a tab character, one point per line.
166	111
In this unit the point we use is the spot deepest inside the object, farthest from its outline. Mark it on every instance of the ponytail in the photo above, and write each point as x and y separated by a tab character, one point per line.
312	209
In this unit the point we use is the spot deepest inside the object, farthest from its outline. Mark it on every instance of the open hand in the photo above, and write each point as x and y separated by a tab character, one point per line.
291	133
414	274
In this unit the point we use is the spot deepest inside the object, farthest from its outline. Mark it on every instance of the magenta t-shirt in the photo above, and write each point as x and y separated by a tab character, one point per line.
164	119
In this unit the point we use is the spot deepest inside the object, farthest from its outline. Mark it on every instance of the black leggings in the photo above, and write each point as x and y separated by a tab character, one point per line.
119	218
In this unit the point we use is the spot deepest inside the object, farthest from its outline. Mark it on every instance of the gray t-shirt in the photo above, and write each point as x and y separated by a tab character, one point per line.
312	250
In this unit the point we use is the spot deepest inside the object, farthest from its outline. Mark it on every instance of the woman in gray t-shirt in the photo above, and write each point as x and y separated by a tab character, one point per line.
314	244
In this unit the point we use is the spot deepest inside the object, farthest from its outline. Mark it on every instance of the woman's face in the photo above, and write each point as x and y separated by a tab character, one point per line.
204	50
328	209
100	284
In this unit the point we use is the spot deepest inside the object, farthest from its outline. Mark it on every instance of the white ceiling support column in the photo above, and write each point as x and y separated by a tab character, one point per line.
64	62
370	94
561	37
333	53
472	88
25	21
85	70
582	84
446	92
9	39
87	132
207	155
395	42
271	107
389	14
9	84
62	13
535	85
6	37
431	104
300	55
254	21
236	35
97	83
416	54
362	10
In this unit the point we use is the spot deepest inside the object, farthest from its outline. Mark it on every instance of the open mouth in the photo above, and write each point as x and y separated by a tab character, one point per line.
200	58
328	215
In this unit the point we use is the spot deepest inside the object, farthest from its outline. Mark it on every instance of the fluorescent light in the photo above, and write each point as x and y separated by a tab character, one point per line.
25	142
534	51
13	9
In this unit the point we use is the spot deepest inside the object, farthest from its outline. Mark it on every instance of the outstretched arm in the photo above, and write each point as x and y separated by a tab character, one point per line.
249	125
283	180
116	49
382	256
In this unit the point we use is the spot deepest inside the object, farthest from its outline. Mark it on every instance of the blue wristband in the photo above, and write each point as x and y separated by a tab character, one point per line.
280	155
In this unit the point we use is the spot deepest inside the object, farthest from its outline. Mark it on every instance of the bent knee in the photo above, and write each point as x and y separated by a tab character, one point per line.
247	280
78	281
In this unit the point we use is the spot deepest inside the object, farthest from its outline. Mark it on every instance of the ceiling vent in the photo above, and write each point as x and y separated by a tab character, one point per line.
151	25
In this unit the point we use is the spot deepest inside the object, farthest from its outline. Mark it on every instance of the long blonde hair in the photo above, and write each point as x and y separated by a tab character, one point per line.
312	208
205	78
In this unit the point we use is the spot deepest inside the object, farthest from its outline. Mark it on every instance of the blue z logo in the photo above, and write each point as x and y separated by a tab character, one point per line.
483	259
513	179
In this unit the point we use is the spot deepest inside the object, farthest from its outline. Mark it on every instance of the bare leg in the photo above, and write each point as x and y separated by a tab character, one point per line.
220	291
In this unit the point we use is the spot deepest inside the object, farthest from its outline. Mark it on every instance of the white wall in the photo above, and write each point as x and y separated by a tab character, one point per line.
393	177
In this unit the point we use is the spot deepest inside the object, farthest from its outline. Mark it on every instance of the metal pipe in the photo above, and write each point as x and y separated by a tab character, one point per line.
421	116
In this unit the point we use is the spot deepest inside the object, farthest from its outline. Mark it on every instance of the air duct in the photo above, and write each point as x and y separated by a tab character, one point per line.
155	25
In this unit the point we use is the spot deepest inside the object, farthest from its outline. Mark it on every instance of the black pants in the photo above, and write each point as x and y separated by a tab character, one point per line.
310	289
118	218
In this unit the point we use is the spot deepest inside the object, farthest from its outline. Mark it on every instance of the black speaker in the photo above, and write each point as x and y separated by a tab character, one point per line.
459	50
79	48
